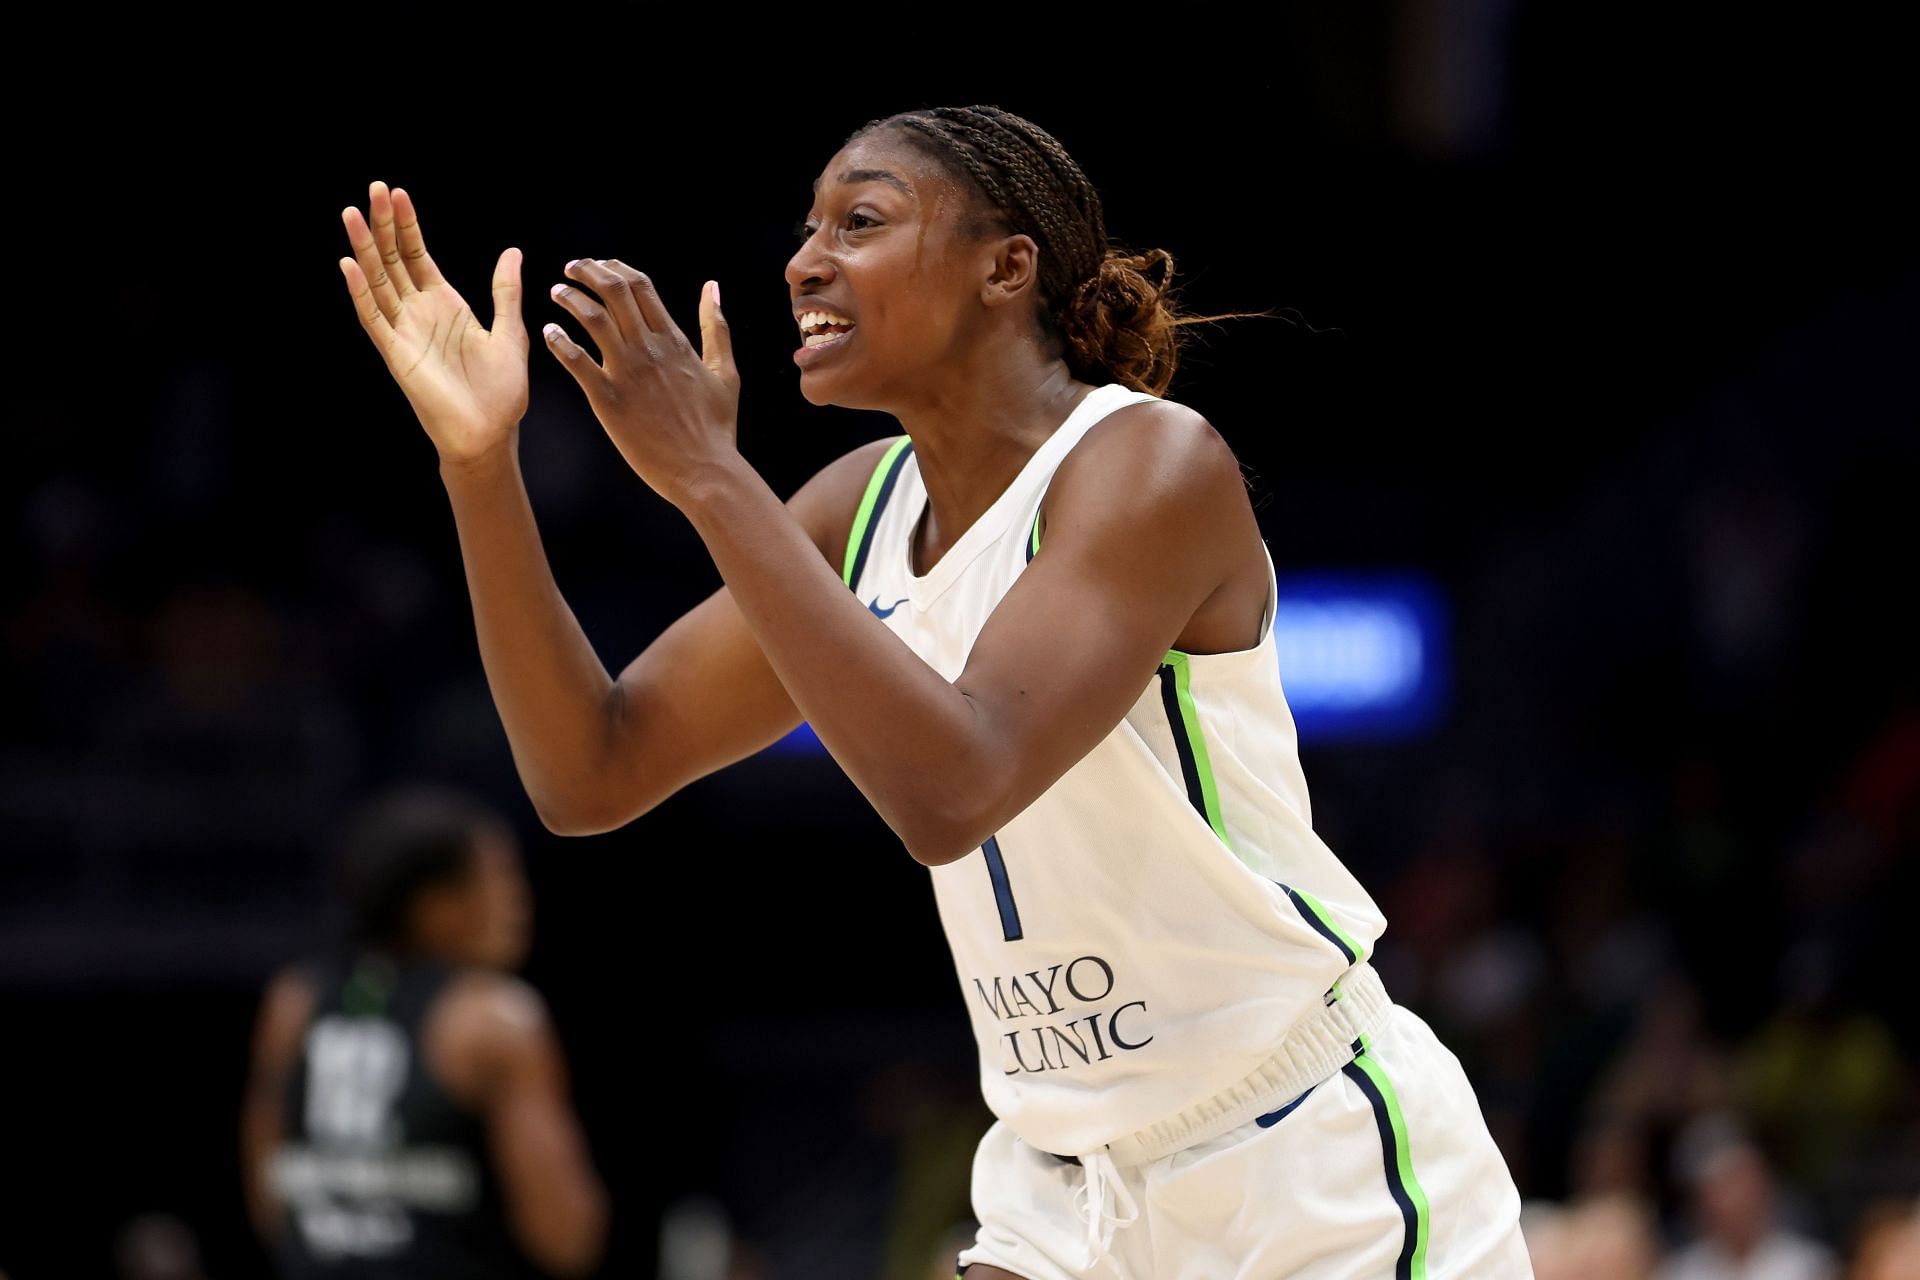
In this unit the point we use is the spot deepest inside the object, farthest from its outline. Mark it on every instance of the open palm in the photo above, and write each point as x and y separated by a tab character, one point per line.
467	382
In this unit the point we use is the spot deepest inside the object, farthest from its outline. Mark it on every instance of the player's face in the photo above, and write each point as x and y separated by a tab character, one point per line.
889	248
501	902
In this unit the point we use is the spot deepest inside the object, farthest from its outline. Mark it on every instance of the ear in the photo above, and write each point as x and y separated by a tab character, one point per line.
1014	272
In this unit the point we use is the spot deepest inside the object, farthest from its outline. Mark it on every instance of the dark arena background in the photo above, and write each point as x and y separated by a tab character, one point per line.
1584	441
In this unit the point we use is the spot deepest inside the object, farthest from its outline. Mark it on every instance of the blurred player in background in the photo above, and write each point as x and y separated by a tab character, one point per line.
407	1110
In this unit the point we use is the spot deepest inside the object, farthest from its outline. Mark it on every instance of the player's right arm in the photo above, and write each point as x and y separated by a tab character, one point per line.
277	1032
593	752
596	752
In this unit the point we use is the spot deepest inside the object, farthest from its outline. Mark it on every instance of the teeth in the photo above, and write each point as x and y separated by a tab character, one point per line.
813	319
820	339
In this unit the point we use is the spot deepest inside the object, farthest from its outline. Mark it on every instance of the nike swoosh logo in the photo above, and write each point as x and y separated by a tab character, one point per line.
878	612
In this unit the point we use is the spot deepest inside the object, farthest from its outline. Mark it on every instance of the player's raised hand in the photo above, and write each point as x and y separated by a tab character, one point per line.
467	382
669	409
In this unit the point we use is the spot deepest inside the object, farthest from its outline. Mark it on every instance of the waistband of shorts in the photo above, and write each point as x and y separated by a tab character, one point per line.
1316	1047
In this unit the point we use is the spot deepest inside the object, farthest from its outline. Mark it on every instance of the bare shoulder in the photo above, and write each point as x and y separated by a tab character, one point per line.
493	1009
1154	489
291	989
483	1026
1157	454
826	504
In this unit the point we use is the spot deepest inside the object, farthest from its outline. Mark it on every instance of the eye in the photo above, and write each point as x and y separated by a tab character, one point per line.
804	232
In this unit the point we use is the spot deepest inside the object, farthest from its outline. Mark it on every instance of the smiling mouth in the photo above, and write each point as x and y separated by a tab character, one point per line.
821	327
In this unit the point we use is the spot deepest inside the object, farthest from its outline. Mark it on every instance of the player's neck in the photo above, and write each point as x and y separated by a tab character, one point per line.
972	438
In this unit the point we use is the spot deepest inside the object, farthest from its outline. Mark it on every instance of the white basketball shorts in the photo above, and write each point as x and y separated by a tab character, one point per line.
1384	1170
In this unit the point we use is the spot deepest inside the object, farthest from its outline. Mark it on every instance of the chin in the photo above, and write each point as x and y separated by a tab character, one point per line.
830	393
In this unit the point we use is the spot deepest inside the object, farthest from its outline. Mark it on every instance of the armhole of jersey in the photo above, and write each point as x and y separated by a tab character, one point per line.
1272	614
872	502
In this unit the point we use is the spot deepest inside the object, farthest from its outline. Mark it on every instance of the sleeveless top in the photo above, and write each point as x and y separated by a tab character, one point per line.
383	1174
1145	932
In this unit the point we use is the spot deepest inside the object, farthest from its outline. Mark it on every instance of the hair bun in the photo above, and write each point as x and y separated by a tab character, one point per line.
1122	325
1120	284
1139	264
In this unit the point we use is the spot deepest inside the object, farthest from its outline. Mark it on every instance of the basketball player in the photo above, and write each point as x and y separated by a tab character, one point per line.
1035	629
406	1113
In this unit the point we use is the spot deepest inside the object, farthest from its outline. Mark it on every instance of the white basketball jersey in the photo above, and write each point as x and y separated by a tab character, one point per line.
1144	933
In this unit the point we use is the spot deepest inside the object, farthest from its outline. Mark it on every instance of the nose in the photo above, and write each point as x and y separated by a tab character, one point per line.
810	265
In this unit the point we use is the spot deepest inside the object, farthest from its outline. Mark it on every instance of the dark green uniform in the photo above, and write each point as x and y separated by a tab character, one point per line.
384	1175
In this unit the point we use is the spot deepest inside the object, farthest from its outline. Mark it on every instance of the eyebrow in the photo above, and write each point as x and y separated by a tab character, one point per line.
887	176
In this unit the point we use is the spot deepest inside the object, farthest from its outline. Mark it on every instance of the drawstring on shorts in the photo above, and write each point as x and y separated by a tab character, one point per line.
1102	1176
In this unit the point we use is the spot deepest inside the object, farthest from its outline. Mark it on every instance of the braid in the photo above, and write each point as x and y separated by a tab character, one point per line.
1030	178
1113	324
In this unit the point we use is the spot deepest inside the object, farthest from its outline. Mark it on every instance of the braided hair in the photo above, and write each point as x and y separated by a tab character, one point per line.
1113	323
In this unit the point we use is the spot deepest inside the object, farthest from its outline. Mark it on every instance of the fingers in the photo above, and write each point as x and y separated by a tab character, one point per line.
593	317
616	295
387	237
652	310
366	253
507	320
372	319
716	336
574	358
413	245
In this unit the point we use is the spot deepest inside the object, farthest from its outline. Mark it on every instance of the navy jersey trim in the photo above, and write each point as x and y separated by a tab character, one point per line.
1189	767
868	520
1320	924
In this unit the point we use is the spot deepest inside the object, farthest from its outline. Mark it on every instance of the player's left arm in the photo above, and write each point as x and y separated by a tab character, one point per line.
556	1205
1143	524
